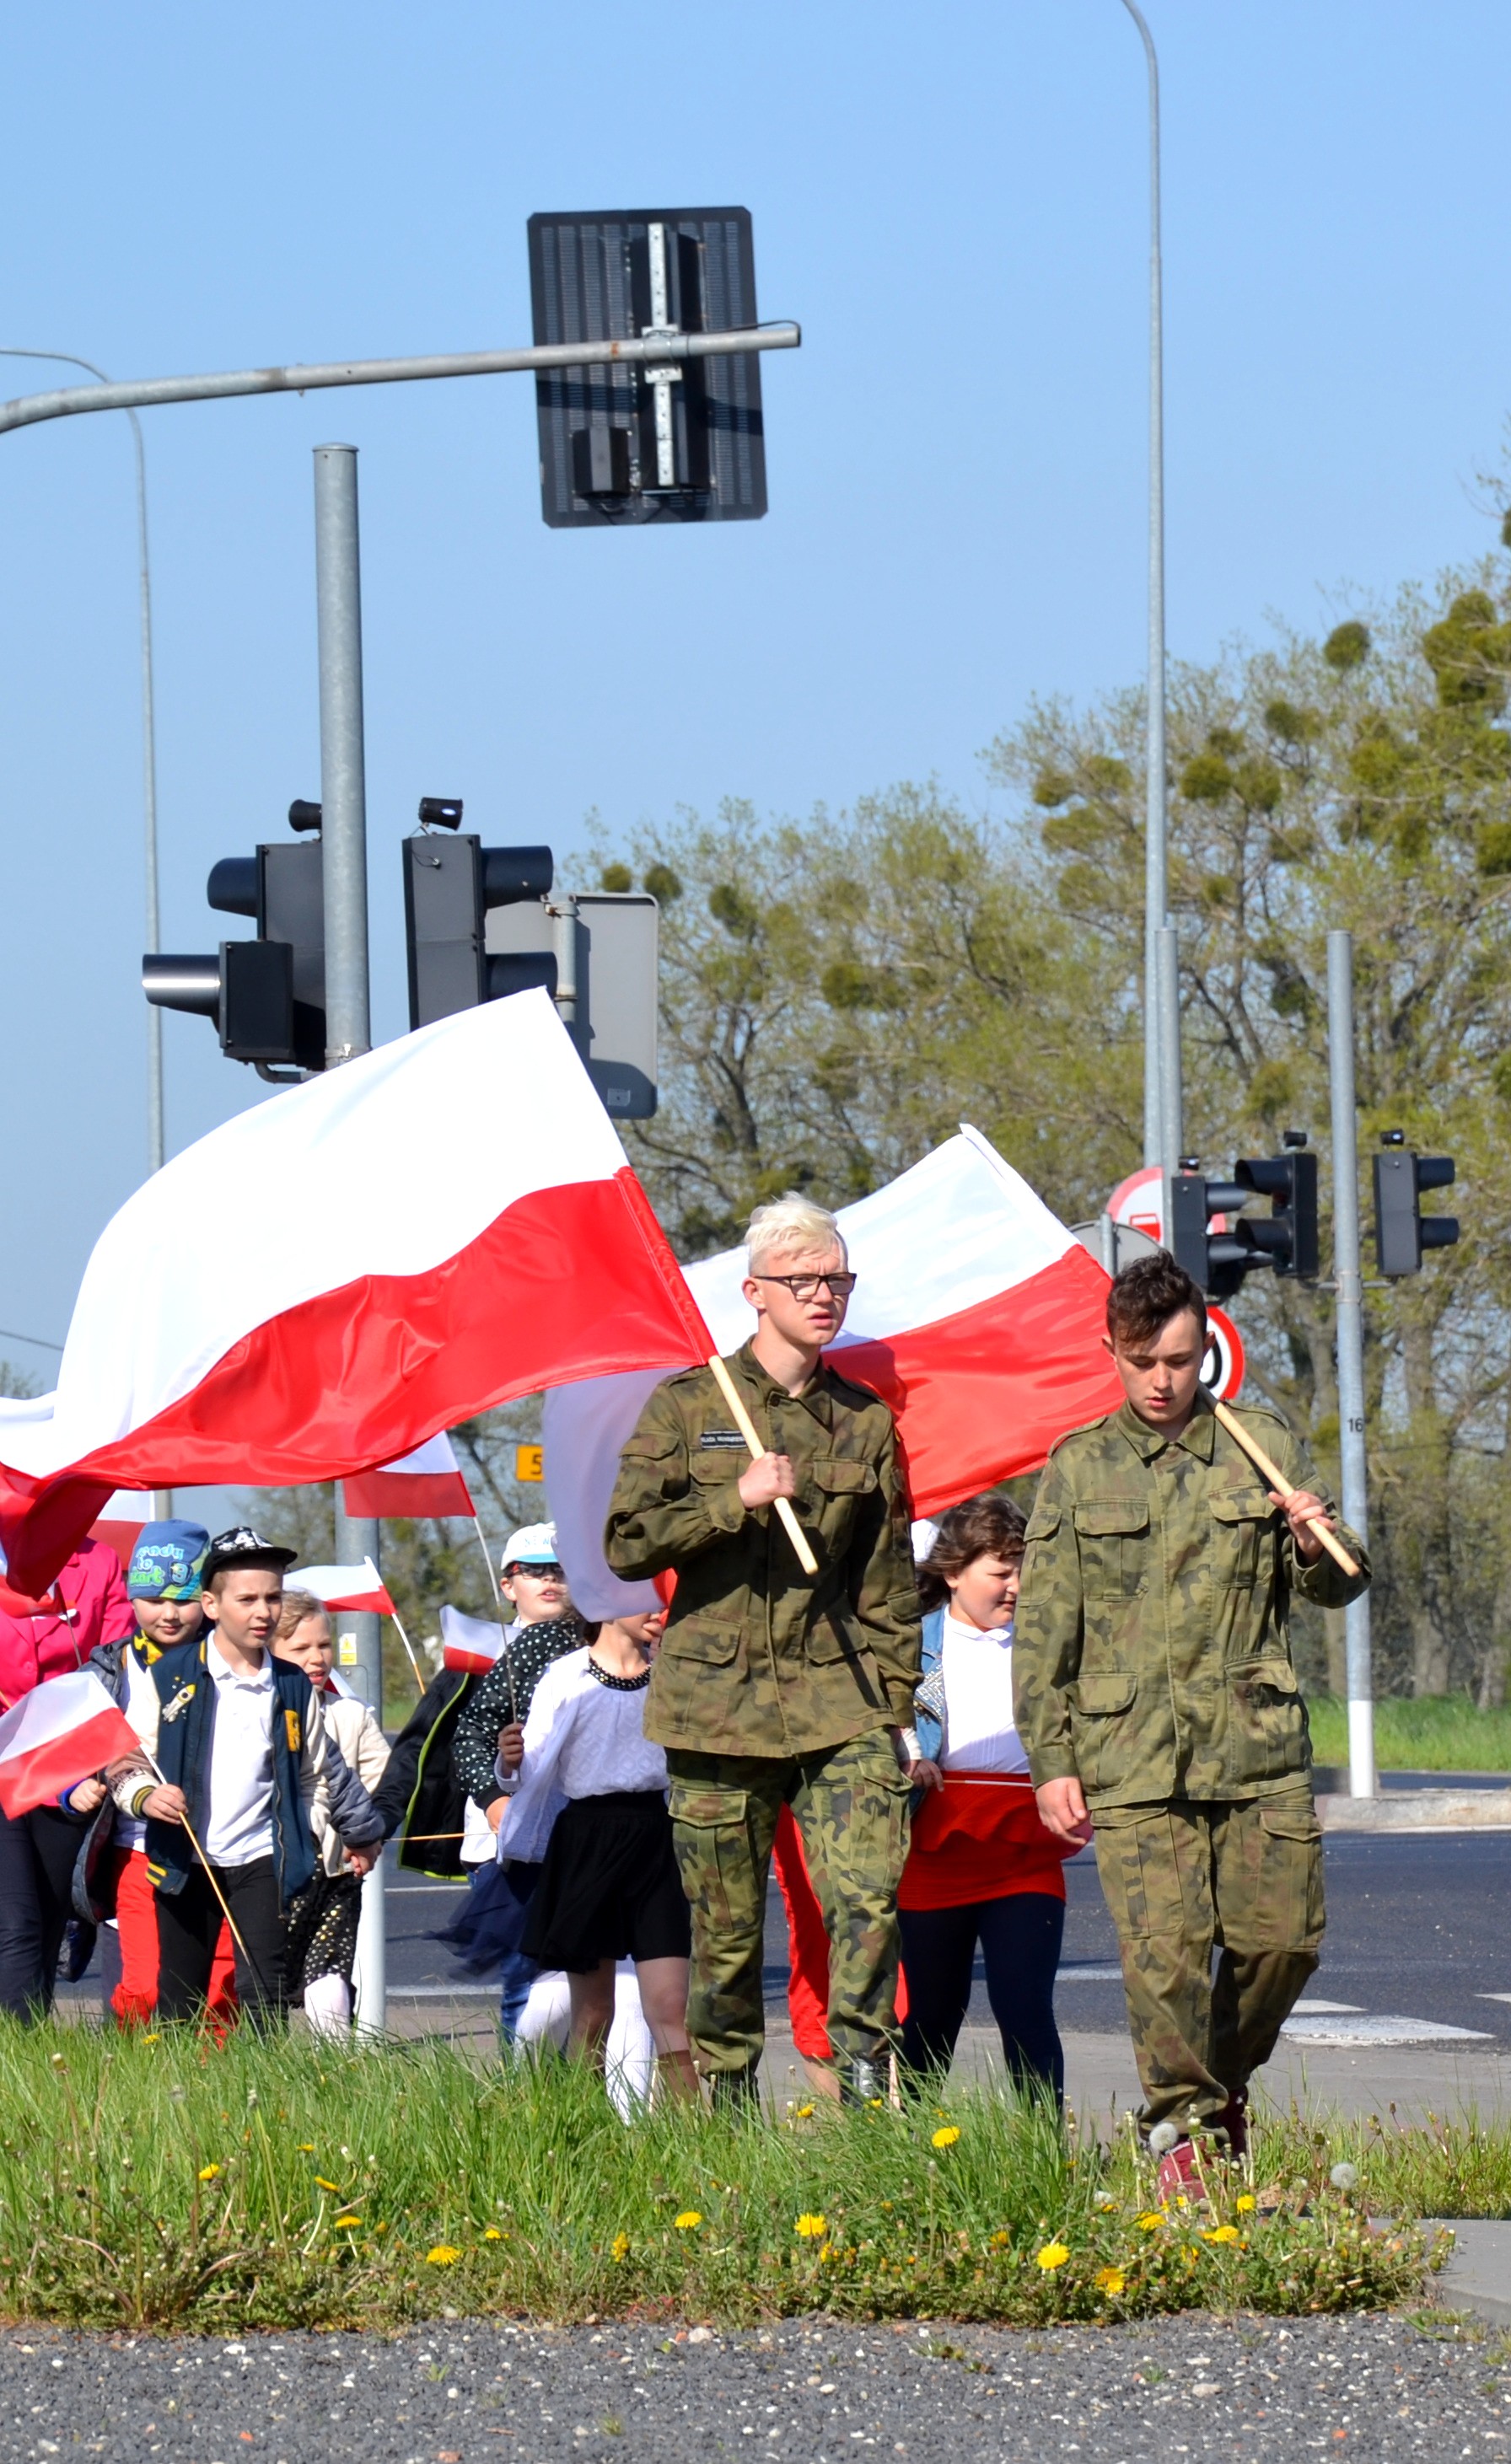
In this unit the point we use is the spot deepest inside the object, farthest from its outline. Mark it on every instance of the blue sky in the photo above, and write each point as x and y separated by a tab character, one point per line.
953	204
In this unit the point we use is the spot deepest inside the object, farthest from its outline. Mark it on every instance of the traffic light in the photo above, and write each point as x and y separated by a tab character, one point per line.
267	997
677	443
1400	1232
1285	1240
450	886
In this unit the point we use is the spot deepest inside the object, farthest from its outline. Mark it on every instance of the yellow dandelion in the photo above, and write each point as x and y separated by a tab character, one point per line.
1222	2232
155	2039
444	2254
1000	2241
811	2227
1150	2221
1110	2280
619	2249
946	2137
688	2221
491	2232
306	2147
804	2112
346	2224
1245	2206
321	2184
1053	2255
208	2172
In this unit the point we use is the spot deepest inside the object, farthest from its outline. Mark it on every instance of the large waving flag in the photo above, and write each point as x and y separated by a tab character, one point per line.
224	1334
976	1315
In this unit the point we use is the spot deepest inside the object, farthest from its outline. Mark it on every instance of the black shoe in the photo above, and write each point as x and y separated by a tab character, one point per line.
862	2082
78	1950
736	2094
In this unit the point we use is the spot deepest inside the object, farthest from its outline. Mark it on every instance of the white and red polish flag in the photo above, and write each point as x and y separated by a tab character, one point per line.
469	1643
427	1483
976	1315
58	1735
226	1333
343	1587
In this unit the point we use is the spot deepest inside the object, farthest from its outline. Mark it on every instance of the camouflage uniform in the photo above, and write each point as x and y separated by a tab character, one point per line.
1151	1660
771	1686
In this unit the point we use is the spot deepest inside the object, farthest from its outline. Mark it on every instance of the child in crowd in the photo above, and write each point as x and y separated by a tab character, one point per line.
545	1626
240	1744
981	1868
164	1583
608	1887
323	1916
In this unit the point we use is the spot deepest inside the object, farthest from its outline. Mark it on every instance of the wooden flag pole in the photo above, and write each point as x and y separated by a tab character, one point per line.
209	1875
497	1597
1256	1455
408	1651
751	1435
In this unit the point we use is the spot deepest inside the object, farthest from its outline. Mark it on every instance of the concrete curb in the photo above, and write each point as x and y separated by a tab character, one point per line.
1419	1809
1478	2276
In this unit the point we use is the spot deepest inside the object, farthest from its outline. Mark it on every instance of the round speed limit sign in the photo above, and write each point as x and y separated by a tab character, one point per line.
1223	1368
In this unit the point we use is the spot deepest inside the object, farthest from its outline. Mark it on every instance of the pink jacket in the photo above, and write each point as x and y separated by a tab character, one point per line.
93	1589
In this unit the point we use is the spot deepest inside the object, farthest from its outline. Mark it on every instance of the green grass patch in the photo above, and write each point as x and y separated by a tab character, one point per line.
158	2182
1440	1732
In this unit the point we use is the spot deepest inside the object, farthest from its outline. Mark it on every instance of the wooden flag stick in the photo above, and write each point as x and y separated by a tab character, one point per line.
751	1435
409	1652
1256	1455
496	1594
209	1877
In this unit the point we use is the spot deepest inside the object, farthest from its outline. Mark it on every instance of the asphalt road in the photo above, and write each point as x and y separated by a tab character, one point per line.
1417	1926
1242	2391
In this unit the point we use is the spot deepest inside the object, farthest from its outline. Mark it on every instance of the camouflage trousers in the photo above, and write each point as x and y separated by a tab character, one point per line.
1186	1879
851	1804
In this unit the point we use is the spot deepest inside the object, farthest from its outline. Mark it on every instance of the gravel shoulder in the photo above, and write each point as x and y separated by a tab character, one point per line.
1189	2387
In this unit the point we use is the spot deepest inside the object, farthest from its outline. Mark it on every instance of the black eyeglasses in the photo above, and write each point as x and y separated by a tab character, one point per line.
807	1287
537	1573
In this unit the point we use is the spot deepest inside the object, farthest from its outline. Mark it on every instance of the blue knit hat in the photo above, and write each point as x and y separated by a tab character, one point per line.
167	1562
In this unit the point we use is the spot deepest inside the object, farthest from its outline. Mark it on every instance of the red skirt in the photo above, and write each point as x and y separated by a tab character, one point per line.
980	1837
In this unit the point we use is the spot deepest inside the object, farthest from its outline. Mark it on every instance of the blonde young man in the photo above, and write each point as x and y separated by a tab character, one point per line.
773	1687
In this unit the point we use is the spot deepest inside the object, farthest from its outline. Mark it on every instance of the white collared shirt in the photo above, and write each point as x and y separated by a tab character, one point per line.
239	1826
980	1732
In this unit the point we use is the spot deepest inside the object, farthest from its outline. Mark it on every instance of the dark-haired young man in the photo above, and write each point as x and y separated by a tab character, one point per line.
1159	1707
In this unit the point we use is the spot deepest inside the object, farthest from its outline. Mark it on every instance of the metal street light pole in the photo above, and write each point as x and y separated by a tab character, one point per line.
155	1117
1162	1010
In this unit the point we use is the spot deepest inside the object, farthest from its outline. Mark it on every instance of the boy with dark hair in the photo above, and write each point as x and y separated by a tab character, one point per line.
1159	1707
240	1742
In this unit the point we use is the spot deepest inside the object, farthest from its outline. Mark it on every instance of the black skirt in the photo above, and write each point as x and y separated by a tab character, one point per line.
610	1887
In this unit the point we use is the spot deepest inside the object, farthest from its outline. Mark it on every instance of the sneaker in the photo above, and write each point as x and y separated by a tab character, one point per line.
1179	2176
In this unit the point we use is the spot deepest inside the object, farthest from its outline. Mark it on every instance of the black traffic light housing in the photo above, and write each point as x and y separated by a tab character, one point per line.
1287	1240
267	997
1401	1232
450	885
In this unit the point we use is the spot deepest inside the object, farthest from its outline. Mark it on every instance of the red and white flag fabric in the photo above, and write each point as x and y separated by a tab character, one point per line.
58	1735
425	1483
222	1337
343	1587
121	1523
976	1315
468	1643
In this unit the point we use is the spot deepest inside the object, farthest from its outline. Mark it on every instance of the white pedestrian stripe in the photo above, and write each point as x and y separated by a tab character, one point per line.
1315	2007
1093	1974
1368	2029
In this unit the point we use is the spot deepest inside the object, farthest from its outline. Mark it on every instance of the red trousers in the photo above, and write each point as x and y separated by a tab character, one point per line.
808	1946
134	2000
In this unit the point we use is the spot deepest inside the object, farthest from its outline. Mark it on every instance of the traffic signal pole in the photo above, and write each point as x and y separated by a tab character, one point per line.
344	863
1349	1280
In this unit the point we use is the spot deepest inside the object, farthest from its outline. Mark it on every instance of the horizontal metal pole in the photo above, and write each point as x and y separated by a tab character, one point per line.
146	391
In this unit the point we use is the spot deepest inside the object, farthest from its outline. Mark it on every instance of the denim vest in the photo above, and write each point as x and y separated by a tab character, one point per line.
185	1692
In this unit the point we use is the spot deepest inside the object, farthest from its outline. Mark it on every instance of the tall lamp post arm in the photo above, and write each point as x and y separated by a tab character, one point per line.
1162	1137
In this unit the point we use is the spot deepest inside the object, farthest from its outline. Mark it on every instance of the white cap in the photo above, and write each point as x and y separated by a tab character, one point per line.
925	1535
533	1545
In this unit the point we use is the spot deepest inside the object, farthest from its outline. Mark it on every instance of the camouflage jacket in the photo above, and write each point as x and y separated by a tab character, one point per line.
759	1658
1151	1654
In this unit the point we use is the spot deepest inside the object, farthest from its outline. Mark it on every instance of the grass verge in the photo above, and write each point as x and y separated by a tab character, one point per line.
156	2182
1440	1732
